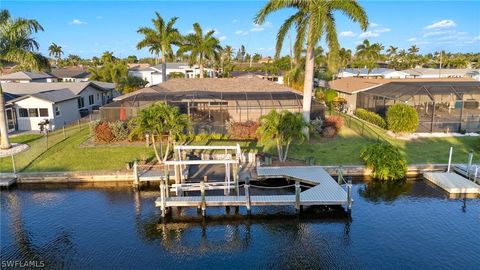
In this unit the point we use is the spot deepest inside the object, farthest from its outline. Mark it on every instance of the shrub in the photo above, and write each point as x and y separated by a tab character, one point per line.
93	126
243	130
103	133
371	117
329	132
334	121
385	161
119	130
402	118
317	125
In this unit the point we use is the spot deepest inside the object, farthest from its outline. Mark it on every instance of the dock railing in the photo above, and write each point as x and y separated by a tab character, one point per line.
348	185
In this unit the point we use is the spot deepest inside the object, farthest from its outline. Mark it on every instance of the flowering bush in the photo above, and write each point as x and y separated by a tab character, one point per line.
334	121
103	133
243	130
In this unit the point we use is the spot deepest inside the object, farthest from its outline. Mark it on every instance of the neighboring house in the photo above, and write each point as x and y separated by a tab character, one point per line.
432	73
27	77
153	74
70	74
385	73
212	102
265	60
443	104
60	103
250	74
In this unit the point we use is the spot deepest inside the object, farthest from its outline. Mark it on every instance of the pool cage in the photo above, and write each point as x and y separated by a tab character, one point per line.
441	106
211	111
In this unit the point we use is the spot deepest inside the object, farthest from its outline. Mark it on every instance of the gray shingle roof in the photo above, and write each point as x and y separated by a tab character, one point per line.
25	75
79	73
55	95
365	71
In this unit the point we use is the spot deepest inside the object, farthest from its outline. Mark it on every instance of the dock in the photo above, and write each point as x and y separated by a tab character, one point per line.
452	182
471	172
6	180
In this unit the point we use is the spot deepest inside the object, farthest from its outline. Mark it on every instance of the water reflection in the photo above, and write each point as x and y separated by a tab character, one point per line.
385	191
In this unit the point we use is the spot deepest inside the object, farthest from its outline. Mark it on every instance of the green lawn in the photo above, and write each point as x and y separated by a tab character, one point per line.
6	163
69	155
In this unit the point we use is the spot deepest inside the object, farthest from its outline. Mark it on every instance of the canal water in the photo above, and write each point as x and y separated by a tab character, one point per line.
405	225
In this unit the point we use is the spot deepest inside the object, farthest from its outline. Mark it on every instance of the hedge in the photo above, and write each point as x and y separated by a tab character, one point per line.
371	117
402	118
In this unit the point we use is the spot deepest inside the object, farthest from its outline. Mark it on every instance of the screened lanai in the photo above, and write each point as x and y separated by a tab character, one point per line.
210	107
442	106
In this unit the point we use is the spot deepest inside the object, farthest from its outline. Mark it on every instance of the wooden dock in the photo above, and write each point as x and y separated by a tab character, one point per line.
6	182
326	191
472	173
452	182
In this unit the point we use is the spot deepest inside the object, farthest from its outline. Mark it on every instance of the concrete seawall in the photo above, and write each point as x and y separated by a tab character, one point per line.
127	176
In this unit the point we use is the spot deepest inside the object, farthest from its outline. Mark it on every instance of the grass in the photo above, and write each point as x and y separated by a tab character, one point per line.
69	155
6	163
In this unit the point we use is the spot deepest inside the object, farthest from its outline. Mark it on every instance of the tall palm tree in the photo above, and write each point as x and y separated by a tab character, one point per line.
17	46
344	58
313	20
369	54
392	52
55	51
201	47
160	39
107	57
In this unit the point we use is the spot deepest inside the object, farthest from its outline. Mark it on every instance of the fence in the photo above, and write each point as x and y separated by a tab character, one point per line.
363	128
41	145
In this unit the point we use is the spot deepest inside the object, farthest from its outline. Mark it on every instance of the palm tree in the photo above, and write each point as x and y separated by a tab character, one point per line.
344	58
107	57
19	47
228	53
369	54
392	52
160	39
56	52
201	47
160	119
282	128
313	19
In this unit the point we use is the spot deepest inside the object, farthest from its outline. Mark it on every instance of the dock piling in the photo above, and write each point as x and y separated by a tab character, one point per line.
450	159
469	164
136	181
162	198
203	203
349	196
247	197
297	196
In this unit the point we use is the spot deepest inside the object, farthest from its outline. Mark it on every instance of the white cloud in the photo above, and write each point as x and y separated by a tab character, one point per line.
412	39
374	24
191	31
222	38
77	22
381	30
441	24
437	33
347	34
241	32
369	34
257	29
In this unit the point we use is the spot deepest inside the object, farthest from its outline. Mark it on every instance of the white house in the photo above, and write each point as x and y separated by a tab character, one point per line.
432	73
153	74
27	77
385	73
60	103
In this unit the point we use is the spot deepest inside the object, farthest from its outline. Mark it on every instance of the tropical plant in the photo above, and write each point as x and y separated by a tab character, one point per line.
313	20
160	39
110	72
107	57
402	118
173	75
385	161
55	51
130	84
119	130
283	128
328	96
369	54
371	117
161	119
201	47
19	47
335	122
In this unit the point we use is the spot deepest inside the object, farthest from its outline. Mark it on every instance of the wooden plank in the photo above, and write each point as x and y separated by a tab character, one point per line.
453	183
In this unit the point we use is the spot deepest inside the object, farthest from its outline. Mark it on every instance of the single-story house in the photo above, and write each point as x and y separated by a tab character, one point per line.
27	77
212	102
432	73
70	74
153	74
28	104
445	104
385	73
277	78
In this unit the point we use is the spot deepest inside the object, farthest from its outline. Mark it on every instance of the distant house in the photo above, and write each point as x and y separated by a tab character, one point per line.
265	60
70	74
28	104
385	73
212	102
153	74
27	77
277	78
440	73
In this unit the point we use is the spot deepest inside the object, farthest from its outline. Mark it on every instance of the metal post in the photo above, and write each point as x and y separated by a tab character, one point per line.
433	117
349	196
476	174
162	197
46	139
340	175
135	174
78	123
13	164
469	164
297	196
203	203
247	197
450	159
64	134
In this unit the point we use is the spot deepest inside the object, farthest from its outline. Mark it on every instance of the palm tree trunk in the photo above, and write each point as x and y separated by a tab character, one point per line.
155	149
4	141
166	151
201	66
286	152
279	150
308	84
164	68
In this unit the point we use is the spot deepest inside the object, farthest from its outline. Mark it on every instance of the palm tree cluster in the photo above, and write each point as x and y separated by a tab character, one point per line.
56	52
17	46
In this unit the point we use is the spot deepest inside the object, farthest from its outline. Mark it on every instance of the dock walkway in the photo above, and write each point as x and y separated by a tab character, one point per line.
452	182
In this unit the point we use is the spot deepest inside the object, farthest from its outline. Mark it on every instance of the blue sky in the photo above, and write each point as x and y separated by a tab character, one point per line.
88	28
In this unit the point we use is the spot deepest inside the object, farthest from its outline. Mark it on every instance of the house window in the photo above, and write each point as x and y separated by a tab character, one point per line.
90	99
57	110
98	96
33	112
43	112
23	112
81	102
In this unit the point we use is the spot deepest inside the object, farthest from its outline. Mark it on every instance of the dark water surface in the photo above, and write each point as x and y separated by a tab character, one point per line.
410	225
